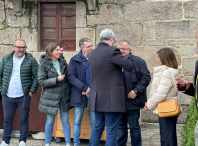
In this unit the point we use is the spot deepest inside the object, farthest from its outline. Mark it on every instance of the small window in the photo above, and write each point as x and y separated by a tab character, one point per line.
58	24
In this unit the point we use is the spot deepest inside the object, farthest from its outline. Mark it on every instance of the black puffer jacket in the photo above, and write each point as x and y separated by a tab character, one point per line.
51	90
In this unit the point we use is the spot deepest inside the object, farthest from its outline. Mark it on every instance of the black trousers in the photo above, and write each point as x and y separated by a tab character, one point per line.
168	132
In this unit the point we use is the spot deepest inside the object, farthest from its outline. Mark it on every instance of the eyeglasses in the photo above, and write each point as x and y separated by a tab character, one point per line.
21	47
124	49
114	40
89	46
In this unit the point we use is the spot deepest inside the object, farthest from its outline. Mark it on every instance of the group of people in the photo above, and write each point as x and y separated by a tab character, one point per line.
111	82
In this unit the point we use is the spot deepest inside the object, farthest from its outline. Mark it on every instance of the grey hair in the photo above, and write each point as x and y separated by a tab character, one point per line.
14	44
125	41
106	34
82	40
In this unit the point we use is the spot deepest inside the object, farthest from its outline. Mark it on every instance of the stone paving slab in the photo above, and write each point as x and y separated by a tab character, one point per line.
149	131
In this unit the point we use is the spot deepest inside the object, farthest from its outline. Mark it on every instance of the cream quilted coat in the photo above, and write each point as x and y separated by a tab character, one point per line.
162	88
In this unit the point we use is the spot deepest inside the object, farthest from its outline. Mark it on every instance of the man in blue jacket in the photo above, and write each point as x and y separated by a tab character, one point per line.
79	77
135	83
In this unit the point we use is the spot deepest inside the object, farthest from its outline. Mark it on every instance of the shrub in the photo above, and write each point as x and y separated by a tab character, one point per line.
188	138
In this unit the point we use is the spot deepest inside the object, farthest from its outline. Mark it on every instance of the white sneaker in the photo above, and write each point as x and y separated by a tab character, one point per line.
22	143
47	144
4	144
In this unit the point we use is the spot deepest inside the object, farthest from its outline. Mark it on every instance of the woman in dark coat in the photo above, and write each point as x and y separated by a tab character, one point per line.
52	76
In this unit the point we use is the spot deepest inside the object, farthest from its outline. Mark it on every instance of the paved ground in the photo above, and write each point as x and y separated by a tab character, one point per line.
150	137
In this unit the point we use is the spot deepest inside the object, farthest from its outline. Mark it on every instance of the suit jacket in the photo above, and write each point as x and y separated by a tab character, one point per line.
107	92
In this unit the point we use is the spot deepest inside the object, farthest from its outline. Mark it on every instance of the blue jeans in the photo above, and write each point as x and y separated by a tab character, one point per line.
77	123
131	117
111	121
65	122
9	108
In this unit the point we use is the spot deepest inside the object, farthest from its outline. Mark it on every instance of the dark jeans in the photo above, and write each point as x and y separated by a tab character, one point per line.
111	121
9	107
131	117
168	131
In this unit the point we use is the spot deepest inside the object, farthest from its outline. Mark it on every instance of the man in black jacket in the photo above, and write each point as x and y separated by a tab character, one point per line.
135	83
107	96
191	88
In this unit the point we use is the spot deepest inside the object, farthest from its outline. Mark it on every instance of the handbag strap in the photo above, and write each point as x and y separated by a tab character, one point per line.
172	76
173	79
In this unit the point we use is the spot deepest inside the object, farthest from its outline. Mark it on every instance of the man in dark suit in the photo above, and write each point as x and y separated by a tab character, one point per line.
107	94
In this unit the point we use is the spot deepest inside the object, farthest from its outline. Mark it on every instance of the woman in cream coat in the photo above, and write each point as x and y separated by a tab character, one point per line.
162	89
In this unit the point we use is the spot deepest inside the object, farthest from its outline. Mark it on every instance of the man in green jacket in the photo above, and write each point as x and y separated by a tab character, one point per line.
18	81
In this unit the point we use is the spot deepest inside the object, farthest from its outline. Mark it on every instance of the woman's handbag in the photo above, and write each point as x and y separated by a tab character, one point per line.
169	108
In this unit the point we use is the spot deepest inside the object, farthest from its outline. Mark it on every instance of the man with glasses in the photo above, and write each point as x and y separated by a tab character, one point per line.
107	96
79	77
18	81
61	49
135	83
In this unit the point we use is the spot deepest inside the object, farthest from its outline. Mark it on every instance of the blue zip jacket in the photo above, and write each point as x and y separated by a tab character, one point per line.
77	78
87	74
138	79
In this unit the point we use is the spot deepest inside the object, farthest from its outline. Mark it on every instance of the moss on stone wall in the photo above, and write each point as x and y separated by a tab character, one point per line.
21	15
29	6
92	26
97	5
189	126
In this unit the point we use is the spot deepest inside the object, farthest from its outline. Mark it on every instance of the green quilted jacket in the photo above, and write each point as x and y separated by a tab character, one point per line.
28	72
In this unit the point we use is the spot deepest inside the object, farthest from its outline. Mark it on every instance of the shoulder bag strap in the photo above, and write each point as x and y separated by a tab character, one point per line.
173	79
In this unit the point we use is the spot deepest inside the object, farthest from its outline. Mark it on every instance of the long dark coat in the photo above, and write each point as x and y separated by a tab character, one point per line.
106	83
51	89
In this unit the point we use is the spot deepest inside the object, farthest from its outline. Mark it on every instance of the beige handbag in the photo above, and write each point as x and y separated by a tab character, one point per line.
169	108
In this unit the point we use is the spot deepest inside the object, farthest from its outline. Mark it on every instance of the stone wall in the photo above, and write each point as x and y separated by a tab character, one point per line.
149	24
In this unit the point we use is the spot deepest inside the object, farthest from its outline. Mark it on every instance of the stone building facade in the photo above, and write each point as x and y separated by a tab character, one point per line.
148	24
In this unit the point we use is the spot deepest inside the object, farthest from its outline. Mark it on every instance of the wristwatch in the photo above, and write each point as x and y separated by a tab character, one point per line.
135	92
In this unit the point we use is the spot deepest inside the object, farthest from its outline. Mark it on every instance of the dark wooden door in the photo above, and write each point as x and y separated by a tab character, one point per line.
58	24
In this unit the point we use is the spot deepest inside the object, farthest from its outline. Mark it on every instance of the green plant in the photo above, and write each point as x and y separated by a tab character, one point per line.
188	138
